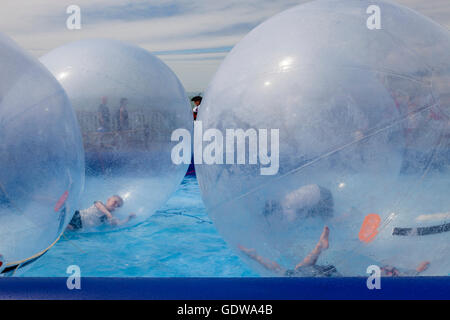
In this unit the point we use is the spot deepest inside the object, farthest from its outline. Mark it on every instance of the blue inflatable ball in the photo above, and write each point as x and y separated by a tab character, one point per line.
41	158
343	108
128	104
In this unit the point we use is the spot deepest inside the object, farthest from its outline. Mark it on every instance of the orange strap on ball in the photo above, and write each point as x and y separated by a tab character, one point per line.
369	228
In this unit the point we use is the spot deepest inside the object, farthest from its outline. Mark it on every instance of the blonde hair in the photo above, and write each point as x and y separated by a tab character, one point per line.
118	198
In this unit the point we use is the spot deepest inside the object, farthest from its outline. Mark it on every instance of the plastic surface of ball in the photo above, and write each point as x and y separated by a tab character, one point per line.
128	103
41	158
364	136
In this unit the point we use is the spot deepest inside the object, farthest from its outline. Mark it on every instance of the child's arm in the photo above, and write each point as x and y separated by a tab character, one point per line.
116	222
100	206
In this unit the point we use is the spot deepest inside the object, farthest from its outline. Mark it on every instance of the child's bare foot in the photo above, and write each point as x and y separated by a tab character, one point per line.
423	266
323	242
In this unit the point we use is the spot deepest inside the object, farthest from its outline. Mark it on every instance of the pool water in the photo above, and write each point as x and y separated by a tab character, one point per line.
178	241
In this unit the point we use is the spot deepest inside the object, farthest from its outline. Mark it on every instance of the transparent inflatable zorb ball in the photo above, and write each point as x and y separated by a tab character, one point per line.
344	106
41	158
128	104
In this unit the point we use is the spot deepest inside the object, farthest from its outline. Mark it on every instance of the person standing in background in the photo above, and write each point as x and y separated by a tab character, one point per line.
197	101
122	115
104	118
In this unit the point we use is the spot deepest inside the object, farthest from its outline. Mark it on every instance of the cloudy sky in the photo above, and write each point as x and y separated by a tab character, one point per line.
191	36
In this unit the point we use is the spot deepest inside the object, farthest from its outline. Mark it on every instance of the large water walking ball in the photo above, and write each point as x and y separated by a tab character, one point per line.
41	158
128	103
345	108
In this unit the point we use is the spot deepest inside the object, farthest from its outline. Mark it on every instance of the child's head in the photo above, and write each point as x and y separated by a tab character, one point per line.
114	202
300	200
308	201
123	102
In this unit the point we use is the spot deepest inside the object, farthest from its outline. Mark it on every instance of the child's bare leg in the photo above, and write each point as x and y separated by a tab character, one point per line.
323	244
270	265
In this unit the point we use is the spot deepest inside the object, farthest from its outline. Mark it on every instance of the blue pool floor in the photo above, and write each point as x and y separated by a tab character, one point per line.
178	241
